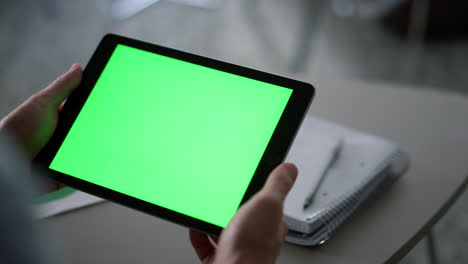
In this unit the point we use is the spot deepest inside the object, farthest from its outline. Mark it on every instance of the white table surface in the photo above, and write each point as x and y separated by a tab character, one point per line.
431	126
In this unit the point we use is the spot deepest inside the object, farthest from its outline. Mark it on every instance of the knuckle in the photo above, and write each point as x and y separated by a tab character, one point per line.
285	181
62	79
281	184
269	202
37	99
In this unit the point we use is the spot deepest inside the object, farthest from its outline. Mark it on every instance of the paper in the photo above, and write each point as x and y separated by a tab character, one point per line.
361	157
63	200
312	152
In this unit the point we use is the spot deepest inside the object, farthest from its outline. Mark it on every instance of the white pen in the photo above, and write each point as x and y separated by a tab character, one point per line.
336	153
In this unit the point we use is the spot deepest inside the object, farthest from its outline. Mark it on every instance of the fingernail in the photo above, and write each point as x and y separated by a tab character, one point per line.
291	170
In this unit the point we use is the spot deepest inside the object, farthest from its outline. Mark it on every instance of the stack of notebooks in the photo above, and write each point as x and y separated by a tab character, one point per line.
339	169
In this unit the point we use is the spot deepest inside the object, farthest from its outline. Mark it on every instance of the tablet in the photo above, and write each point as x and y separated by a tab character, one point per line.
172	134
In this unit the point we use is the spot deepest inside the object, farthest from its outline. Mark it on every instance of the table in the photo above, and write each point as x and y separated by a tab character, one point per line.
431	126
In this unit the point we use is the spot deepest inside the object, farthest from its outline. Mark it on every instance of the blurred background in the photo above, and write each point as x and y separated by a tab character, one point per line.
421	43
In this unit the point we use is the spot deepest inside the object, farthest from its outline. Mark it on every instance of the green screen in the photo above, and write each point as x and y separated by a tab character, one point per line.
179	135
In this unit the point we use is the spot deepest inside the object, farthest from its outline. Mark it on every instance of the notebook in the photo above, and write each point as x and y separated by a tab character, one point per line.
366	164
324	148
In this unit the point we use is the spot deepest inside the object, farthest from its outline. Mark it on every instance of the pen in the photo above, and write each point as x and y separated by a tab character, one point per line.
336	153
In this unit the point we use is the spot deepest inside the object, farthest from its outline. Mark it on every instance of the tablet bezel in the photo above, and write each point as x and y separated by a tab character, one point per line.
274	154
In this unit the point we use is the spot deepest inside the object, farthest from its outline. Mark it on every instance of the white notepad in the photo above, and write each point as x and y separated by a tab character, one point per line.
366	163
312	152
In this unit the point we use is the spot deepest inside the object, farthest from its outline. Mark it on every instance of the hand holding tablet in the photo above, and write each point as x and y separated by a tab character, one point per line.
257	231
173	134
34	122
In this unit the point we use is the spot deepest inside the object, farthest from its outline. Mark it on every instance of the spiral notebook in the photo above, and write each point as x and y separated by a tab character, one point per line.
364	165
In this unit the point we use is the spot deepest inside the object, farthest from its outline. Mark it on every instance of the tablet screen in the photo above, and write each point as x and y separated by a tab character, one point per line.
175	134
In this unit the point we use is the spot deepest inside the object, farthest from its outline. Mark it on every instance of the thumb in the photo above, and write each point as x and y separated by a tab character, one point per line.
280	181
62	87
